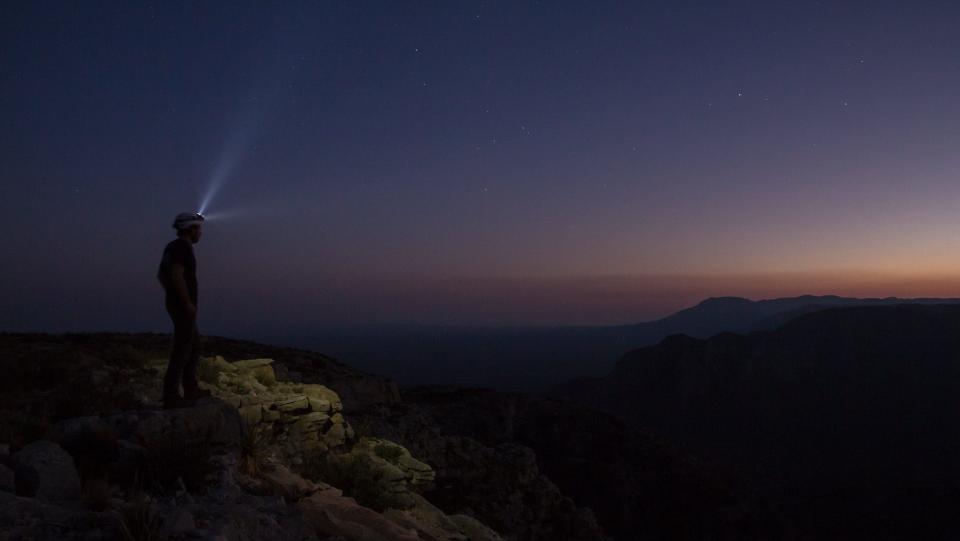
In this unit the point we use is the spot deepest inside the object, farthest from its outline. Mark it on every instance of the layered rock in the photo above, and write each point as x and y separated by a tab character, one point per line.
303	418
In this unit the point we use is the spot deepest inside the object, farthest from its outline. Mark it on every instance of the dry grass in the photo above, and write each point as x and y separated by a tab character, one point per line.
138	522
254	448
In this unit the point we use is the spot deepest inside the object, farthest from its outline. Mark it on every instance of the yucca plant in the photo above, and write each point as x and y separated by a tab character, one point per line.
138	522
253	448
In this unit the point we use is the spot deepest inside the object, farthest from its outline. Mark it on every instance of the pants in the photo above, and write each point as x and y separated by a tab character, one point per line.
185	354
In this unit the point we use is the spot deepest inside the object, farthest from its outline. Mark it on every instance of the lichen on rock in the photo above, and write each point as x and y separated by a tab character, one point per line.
305	417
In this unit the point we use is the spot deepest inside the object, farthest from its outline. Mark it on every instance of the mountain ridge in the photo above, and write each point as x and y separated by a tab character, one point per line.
532	359
845	413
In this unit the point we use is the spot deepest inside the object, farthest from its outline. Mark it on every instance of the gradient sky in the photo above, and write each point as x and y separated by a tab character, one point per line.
473	162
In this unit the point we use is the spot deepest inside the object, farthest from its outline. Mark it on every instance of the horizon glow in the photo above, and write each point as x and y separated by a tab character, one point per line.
386	163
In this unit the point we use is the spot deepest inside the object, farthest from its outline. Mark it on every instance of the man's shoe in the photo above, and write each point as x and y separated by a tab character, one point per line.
176	401
194	394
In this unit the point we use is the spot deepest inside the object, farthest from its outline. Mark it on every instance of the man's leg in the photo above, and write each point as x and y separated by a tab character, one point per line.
191	389
190	386
183	338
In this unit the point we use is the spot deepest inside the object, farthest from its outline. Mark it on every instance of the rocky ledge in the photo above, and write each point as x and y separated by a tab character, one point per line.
261	459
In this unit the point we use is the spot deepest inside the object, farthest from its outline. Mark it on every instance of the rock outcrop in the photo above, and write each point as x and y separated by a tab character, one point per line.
563	470
303	418
260	459
498	482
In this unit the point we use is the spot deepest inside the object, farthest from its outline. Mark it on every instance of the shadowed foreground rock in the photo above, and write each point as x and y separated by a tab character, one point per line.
45	471
255	461
551	470
847	417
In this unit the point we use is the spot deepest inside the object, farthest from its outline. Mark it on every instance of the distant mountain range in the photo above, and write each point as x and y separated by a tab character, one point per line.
846	416
530	359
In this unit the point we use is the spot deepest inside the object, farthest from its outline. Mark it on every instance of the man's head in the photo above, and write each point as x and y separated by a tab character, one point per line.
189	225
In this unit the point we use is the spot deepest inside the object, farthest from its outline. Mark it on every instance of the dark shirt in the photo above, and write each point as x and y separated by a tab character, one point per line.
178	251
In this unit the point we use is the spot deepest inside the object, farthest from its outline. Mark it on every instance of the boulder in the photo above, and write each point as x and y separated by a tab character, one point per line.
83	432
418	472
396	456
319	404
283	482
45	471
329	513
293	404
251	364
429	521
335	436
321	394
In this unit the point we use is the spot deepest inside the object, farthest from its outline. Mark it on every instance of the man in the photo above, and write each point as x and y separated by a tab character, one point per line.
178	275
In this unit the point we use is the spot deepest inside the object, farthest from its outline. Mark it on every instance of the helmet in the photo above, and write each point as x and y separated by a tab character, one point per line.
185	220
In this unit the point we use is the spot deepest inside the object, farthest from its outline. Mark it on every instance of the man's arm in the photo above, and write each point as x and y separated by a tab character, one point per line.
180	287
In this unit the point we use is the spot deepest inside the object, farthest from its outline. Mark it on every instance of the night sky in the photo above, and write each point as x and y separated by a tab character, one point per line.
473	162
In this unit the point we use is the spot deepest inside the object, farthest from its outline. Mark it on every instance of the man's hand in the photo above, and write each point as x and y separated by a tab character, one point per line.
191	311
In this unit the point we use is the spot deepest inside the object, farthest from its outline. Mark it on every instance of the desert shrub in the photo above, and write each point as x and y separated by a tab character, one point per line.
138	522
357	476
253	447
390	453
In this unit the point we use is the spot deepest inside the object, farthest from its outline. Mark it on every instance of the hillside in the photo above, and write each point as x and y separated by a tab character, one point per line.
298	445
846	416
529	359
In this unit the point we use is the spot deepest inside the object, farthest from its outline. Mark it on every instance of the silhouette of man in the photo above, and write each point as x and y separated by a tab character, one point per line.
178	275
